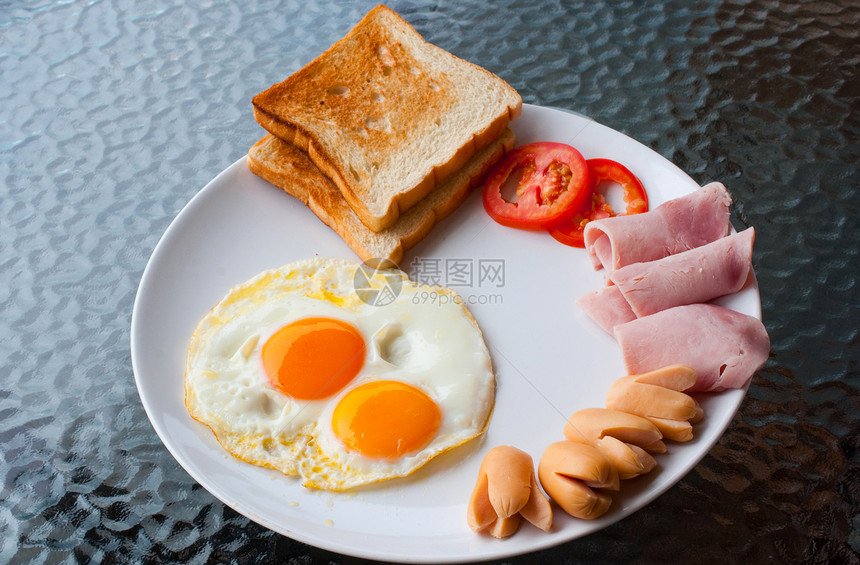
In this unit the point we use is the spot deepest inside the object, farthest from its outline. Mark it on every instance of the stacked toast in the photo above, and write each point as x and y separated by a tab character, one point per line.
383	135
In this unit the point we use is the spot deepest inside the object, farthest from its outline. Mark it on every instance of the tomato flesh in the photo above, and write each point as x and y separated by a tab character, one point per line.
570	231
554	184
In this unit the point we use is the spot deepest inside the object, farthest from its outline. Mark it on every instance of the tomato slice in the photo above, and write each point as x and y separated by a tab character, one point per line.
570	231
554	184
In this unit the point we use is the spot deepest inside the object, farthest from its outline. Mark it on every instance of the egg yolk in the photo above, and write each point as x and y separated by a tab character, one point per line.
386	419
313	358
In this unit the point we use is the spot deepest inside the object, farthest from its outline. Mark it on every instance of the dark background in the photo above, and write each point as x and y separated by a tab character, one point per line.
113	114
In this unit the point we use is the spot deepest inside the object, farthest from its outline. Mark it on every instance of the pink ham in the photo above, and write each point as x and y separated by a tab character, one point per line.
723	346
673	227
607	307
698	275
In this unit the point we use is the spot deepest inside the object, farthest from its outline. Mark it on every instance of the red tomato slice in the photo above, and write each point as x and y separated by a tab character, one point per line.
554	184
570	231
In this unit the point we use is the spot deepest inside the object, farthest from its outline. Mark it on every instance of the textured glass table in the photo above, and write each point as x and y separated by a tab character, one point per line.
114	114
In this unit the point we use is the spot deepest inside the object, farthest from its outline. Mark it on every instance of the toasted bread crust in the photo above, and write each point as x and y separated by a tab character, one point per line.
387	116
303	140
290	169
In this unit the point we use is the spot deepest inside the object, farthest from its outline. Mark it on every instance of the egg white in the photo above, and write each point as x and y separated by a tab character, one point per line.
434	345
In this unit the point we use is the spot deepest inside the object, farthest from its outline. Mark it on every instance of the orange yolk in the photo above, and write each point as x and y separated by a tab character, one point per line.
313	358
386	419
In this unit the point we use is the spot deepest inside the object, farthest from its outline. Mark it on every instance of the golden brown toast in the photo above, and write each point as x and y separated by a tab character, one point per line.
290	169
387	116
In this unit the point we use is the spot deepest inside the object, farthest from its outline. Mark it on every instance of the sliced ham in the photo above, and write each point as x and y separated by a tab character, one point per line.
607	307
724	347
673	227
698	275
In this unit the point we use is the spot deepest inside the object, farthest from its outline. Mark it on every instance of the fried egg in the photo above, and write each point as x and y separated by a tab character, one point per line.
299	370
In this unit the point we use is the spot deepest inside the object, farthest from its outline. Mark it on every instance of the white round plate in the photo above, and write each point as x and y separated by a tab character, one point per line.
550	359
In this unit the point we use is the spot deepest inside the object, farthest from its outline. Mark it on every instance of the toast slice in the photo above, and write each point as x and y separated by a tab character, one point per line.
290	169
386	115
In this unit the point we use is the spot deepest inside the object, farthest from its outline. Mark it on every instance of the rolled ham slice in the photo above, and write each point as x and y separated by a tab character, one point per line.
673	227
724	347
607	307
698	275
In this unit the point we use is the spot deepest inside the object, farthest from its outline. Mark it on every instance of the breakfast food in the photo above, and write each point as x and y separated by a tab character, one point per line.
294	371
604	446
607	307
724	347
290	169
658	397
625	439
557	190
552	183
575	476
337	145
675	226
387	116
660	268
698	275
570	232
628	458
505	492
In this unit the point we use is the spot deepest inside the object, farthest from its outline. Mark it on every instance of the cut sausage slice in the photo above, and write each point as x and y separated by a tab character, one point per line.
570	472
507	490
590	424
651	401
580	461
